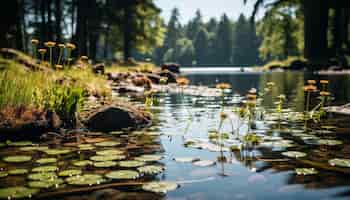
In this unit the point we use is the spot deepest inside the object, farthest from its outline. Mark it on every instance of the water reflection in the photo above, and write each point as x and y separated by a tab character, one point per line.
254	172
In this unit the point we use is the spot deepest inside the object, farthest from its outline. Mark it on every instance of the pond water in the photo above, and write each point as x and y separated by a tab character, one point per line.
185	128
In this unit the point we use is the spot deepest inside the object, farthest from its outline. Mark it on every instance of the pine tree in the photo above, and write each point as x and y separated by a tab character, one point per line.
223	45
201	45
194	26
245	43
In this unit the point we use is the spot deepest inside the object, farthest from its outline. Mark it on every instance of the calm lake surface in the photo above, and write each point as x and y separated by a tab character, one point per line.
247	176
182	129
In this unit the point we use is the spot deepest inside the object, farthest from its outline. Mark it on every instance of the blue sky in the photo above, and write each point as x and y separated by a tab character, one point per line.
209	8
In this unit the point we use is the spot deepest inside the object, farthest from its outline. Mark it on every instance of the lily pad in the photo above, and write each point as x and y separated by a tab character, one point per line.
18	171
45	169
123	174
86	147
149	158
86	179
82	163
160	187
17	159
305	171
294	154
57	151
45	183
151	169
339	162
42	176
204	163
329	142
131	163
17	192
107	144
109	152
105	164
3	174
46	160
34	148
20	143
70	172
107	157
186	159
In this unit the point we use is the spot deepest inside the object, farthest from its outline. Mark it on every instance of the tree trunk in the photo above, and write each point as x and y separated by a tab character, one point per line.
127	32
49	20
43	27
58	20
315	31
8	26
81	32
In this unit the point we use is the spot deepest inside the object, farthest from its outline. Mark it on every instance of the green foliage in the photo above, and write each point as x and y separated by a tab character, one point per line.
246	43
281	33
64	100
223	43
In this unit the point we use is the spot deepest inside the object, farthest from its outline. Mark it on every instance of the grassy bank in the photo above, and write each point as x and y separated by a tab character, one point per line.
286	64
61	91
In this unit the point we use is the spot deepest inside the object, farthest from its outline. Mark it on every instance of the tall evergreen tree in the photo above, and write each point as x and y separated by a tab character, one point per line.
245	43
224	41
194	26
201	46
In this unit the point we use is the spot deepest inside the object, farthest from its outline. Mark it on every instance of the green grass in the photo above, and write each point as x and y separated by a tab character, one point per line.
59	91
284	64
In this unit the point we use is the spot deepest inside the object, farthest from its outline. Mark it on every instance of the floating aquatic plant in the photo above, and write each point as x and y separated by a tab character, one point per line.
105	164
86	179
70	172
123	174
46	160
45	183
17	192
131	163
42	176
34	148
107	144
107	157
20	143
339	162
57	151
18	171
3	174
160	187
294	154
149	158
17	159
305	171
45	169
109	152
82	163
151	169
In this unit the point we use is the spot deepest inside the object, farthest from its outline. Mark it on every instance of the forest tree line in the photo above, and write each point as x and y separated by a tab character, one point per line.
317	29
97	27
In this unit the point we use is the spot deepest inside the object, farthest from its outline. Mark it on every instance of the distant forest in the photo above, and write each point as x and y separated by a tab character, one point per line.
218	41
119	29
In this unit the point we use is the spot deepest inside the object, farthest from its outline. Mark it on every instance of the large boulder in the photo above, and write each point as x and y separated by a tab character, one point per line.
116	117
173	67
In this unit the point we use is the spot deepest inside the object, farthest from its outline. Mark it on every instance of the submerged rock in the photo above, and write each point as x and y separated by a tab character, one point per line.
115	117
